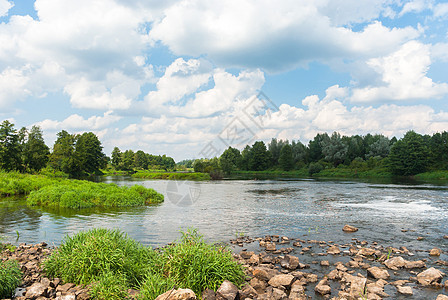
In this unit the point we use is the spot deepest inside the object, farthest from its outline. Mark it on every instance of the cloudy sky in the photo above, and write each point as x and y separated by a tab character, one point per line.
184	77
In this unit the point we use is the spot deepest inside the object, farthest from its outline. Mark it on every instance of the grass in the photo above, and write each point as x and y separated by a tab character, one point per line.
433	175
85	194
112	263
196	176
15	183
10	278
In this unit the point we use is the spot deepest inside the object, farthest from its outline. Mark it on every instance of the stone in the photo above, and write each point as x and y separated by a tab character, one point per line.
395	263
227	291
357	285
180	294
378	273
69	296
435	252
246	254
247	292
36	290
208	294
325	263
420	238
445	236
334	250
405	290
277	294
442	297
322	287
415	264
366	251
254	260
270	247
281	280
430	276
64	288
399	282
349	228
290	262
258	285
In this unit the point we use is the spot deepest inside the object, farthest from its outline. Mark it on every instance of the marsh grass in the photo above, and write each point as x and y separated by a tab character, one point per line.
113	263
10	278
15	183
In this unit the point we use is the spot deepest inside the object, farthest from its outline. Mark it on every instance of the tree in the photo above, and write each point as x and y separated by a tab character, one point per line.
63	156
286	160
274	148
140	160
168	163
127	160
116	158
36	152
334	149
260	157
229	160
408	156
10	154
246	155
315	147
89	152
298	152
381	147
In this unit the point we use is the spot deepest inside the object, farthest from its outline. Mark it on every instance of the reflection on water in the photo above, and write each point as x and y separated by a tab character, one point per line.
313	208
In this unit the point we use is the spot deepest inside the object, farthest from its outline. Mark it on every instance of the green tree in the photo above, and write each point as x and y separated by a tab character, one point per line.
63	156
260	157
10	152
246	155
315	147
438	147
141	160
168	163
127	160
299	153
334	149
286	161
36	153
229	160
379	148
89	152
408	156
116	158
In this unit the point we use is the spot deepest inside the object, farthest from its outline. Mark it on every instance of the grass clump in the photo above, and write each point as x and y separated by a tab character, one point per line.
15	183
113	263
85	194
10	278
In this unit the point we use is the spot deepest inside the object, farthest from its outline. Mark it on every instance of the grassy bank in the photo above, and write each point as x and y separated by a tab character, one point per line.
113	263
353	173
10	278
196	176
433	175
15	183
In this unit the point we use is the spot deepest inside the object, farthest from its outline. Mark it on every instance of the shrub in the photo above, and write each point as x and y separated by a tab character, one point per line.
10	278
314	168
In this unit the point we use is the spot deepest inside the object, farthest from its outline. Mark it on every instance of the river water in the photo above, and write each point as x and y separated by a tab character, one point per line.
391	214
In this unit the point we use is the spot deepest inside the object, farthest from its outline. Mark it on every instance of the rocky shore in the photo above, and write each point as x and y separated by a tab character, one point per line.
284	268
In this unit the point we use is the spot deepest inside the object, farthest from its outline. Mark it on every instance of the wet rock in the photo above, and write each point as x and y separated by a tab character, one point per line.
349	228
325	263
290	262
270	247
247	292
420	238
322	287
227	291
442	297
445	236
405	290
281	280
435	252
334	250
246	254
430	276
208	294
395	263
64	288
378	273
264	274
399	282
36	290
415	264
356	285
366	252
180	294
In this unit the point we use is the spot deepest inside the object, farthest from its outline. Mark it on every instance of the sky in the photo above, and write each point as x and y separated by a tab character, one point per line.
188	78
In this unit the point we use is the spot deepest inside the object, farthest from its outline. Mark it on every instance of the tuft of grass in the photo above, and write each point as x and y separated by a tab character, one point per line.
110	287
10	278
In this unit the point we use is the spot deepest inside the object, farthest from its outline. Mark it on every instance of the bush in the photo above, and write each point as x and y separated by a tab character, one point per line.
10	278
314	168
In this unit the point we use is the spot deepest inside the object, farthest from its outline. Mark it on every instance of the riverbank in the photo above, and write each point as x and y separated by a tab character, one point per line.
284	268
193	176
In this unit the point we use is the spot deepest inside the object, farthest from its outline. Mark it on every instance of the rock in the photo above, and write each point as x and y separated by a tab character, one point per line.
334	250
64	288
290	262
281	280
247	292
277	294
264	274
420	238
208	294
69	296
395	263
254	260
442	297
325	263
349	228
430	276
36	290
366	251
357	285
246	254
445	236
435	252
415	264
180	294
227	291
322	287
378	273
399	282
405	290
270	247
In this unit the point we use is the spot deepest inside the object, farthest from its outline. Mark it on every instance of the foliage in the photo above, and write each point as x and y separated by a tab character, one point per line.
15	183
10	158
286	161
35	152
409	156
260	157
84	194
334	149
10	278
172	176
230	160
314	168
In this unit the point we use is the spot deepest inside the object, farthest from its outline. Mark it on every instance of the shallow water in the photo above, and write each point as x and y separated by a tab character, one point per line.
223	209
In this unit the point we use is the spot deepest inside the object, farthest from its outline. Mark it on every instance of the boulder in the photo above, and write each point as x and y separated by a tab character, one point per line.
322	287
270	247
180	294
366	251
208	294
333	250
415	264
36	290
378	273
264	274
395	263
349	228
429	277
435	252
357	285
247	292
442	297
290	262
405	290
258	285
227	291
281	280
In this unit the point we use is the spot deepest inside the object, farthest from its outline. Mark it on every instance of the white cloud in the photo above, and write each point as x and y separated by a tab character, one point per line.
439	51
271	35
441	10
5	6
416	6
403	76
79	123
12	86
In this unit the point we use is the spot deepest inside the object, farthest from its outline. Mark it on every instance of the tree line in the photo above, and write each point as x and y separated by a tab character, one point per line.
74	154
410	155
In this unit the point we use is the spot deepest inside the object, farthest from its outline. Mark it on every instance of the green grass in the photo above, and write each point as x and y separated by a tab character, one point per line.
15	183
196	176
433	175
354	173
10	278
113	263
85	194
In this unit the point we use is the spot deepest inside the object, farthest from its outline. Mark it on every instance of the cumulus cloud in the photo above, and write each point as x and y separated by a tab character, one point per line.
12	86
403	76
272	35
76	122
5	6
441	10
416	6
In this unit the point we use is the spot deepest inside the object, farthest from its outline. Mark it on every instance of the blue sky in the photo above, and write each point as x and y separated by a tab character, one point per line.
181	77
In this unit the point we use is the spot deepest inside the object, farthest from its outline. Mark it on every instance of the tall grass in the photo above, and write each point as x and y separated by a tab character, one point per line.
10	278
113	263
196	176
15	183
85	194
